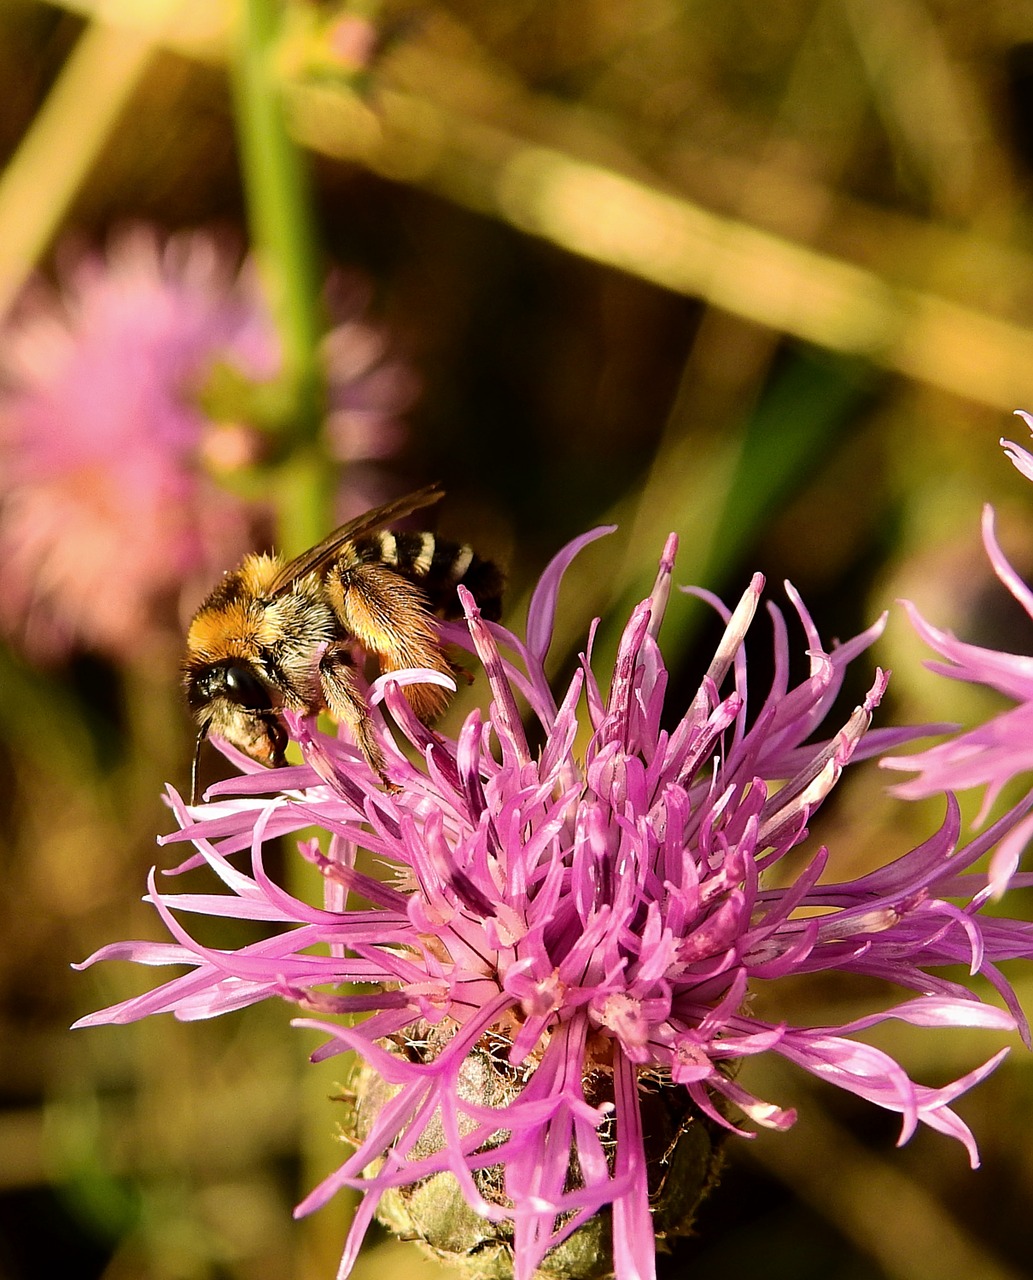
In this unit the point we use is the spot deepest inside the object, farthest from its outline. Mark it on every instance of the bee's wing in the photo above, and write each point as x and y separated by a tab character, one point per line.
315	557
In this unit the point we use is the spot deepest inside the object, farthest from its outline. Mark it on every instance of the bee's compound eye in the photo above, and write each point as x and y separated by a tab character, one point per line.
245	689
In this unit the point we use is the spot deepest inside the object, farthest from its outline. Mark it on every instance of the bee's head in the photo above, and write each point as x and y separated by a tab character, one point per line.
230	699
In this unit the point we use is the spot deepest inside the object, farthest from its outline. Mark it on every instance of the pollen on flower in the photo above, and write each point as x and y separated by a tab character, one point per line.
539	998
623	1016
877	921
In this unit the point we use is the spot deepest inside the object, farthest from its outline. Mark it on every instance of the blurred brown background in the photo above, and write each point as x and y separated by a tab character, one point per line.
761	272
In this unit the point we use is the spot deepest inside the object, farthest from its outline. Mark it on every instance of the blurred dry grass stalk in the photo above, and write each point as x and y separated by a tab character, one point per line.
722	150
448	116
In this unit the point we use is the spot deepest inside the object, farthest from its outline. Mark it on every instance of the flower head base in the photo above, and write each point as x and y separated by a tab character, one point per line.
600	917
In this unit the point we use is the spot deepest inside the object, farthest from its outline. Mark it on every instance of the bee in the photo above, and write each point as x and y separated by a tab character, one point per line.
276	636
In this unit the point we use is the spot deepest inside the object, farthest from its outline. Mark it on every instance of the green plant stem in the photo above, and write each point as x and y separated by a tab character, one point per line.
283	233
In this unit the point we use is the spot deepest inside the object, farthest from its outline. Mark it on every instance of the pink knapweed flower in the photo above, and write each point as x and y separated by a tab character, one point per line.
1022	458
595	919
113	517
994	753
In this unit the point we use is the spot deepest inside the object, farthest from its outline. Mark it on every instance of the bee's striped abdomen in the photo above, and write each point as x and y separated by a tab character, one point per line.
437	567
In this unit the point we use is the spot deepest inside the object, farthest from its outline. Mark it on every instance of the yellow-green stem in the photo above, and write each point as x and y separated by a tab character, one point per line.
282	224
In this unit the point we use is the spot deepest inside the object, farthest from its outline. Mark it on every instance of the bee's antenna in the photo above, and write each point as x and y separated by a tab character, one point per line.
195	768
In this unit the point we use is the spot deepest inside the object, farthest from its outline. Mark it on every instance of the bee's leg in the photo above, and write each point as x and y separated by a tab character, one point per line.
459	672
389	617
347	705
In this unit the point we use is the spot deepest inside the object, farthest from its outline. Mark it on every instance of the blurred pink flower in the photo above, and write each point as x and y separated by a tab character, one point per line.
1022	458
597	922
112	519
353	41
